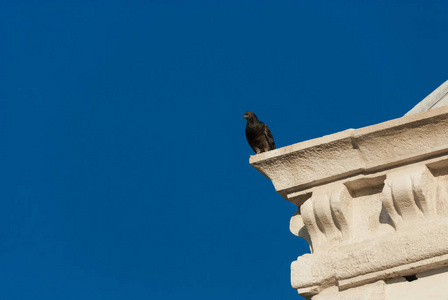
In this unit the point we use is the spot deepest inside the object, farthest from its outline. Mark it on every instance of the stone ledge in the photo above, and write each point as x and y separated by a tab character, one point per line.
348	153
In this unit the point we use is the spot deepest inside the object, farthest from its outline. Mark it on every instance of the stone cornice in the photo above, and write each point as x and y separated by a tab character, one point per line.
372	202
412	138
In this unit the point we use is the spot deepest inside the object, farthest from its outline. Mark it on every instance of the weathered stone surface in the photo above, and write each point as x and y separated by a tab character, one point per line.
372	203
430	285
355	151
375	290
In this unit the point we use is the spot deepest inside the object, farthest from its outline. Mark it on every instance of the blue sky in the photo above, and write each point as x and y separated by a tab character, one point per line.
125	169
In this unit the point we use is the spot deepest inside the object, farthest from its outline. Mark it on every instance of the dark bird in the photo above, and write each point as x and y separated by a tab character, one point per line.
258	134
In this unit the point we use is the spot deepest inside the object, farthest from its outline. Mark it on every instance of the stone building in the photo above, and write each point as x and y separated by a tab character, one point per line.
373	205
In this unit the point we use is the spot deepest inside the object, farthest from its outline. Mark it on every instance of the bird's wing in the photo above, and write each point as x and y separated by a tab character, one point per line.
250	139
269	137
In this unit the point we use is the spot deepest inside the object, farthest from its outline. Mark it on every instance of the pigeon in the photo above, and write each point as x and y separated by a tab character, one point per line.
258	134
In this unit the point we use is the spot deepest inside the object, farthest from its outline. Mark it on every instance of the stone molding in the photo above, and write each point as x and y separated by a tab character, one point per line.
372	202
351	152
438	98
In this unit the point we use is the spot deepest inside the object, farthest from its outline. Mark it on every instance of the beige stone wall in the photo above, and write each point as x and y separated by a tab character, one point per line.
373	204
431	285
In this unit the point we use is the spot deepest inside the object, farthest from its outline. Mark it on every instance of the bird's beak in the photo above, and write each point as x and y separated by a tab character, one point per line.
245	117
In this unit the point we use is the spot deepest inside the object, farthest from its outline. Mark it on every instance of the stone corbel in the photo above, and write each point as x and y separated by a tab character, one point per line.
327	216
410	196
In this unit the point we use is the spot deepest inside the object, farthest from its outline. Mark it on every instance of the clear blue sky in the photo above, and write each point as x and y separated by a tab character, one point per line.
124	163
